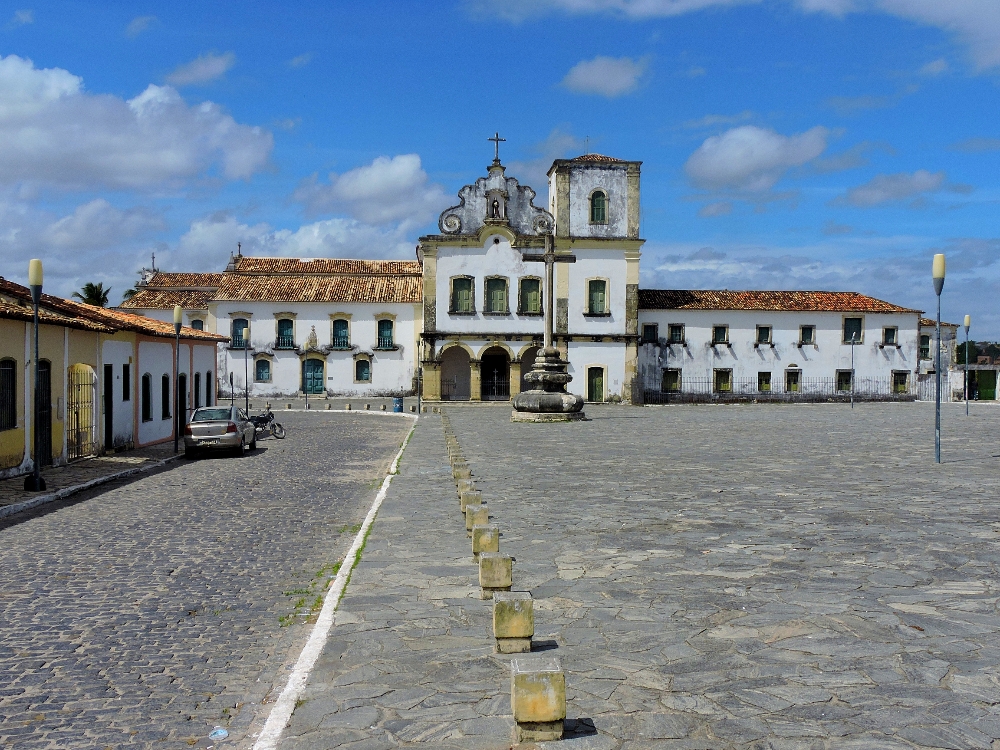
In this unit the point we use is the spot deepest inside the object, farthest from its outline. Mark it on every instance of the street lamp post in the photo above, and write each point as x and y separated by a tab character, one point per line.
854	340
937	272
968	322
34	482
246	368
178	319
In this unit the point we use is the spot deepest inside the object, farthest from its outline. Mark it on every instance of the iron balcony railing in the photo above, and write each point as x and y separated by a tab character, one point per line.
341	342
284	342
385	342
238	343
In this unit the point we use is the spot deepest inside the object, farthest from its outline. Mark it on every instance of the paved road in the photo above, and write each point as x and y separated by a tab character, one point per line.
146	614
738	578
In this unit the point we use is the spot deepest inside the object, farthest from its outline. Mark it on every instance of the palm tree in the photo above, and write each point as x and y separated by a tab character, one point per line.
130	292
93	294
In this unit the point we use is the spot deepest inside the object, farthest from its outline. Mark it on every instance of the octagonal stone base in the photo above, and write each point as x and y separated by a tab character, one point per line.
533	416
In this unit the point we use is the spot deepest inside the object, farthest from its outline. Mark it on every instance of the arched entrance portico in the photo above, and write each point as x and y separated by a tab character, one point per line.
456	374
495	374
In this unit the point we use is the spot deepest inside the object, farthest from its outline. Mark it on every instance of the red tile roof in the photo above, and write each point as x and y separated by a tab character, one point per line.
47	317
316	288
795	301
162	279
340	266
598	158
165	299
931	323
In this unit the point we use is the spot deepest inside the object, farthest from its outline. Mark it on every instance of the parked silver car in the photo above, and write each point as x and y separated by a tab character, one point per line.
219	428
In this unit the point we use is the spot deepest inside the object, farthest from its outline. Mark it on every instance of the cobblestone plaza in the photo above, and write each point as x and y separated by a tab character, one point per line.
708	576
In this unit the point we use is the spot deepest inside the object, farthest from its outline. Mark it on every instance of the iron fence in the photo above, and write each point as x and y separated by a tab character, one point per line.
694	390
496	387
81	436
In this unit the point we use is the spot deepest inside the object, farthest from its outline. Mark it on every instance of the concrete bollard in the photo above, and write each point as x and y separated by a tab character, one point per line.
347	406
425	410
461	472
413	408
382	407
329	406
485	538
309	406
368	407
288	406
513	621
464	485
495	573
469	497
538	699
476	514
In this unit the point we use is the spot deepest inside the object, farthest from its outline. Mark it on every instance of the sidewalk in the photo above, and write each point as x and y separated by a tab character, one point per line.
63	481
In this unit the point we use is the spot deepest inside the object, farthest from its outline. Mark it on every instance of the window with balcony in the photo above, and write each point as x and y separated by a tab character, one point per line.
341	334
286	336
530	297
385	335
240	328
597	297
462	299
496	297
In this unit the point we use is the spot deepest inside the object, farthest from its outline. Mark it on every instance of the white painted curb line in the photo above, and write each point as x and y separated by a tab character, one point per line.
9	510
285	705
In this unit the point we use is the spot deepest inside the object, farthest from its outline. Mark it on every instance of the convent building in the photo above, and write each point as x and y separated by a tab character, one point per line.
464	320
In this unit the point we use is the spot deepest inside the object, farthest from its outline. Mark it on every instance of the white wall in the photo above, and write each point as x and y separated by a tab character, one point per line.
117	354
583	181
596	263
155	358
829	354
586	354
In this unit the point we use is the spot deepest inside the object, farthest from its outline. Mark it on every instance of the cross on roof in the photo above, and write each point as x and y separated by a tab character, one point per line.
497	140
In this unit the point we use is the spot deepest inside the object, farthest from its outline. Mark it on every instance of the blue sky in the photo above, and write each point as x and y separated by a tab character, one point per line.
831	144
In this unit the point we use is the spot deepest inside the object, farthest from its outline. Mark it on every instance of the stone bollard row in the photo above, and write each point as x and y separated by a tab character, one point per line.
537	684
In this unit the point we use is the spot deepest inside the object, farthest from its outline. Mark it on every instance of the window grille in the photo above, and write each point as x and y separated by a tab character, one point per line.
385	334
286	339
8	395
239	331
341	336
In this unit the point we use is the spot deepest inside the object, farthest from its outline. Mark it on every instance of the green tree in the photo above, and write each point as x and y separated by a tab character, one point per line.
93	294
130	292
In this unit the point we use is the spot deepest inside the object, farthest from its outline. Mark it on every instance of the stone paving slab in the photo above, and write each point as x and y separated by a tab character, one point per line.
738	577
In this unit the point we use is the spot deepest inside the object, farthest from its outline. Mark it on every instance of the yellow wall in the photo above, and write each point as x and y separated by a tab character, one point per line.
12	347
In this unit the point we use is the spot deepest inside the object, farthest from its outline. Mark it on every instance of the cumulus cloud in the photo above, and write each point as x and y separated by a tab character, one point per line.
891	188
21	18
977	145
721	208
752	159
387	190
138	25
711	121
854	157
532	172
935	68
202	69
606	76
99	224
54	133
300	60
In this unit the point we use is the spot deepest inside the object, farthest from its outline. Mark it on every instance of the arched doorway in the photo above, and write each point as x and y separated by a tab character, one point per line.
456	375
495	374
527	363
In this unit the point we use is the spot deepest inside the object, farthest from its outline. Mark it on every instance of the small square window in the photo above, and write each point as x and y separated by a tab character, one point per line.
763	335
900	381
720	335
807	335
650	333
793	379
671	381
844	380
852	330
675	334
925	347
763	381
723	381
889	336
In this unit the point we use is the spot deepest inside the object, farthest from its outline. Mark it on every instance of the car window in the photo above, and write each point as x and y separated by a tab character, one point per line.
210	415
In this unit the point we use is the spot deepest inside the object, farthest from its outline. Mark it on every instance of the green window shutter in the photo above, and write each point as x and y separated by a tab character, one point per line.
496	295
598	208
531	296
462	295
597	293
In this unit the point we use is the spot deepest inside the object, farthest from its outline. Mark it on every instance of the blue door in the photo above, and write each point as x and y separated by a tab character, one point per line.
312	376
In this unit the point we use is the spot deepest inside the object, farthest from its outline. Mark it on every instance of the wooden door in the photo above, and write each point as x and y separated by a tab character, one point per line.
312	376
44	425
595	384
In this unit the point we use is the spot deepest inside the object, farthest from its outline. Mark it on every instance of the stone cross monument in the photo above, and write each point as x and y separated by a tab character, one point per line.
548	401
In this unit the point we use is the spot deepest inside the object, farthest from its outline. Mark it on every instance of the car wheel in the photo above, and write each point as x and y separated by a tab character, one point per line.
253	441
242	448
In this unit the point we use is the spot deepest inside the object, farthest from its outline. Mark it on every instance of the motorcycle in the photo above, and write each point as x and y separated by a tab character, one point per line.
264	423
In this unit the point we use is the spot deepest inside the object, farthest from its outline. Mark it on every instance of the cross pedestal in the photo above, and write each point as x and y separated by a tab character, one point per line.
547	400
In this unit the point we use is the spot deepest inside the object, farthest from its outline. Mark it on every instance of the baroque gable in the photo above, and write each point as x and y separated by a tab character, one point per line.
496	200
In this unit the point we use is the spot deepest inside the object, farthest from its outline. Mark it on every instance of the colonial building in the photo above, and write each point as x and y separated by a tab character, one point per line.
464	321
106	379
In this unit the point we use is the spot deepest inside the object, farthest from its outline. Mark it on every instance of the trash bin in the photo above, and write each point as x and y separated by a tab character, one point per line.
397	405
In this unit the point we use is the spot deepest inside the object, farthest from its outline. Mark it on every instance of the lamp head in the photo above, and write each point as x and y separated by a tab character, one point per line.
178	318
937	271
34	272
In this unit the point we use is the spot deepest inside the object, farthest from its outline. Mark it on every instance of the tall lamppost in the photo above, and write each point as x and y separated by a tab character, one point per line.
246	367
968	322
937	272
854	340
34	481
178	319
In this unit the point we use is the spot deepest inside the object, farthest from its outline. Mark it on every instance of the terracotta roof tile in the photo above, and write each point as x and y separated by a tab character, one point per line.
343	266
706	299
931	323
316	288
47	317
162	279
598	158
165	299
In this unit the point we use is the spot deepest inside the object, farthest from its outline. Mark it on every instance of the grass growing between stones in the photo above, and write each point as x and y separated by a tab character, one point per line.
311	594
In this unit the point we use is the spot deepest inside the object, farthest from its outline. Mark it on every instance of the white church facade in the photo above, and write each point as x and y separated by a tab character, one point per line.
463	321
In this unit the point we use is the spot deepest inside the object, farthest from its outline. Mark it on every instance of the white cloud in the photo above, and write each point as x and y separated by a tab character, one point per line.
532	172
752	159
606	76
710	121
299	60
890	188
977	145
98	224
138	25
722	208
21	18
975	22
517	10
202	69
935	68
53	133
387	190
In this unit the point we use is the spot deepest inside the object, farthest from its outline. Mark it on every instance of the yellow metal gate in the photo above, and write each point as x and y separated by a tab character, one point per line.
81	438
